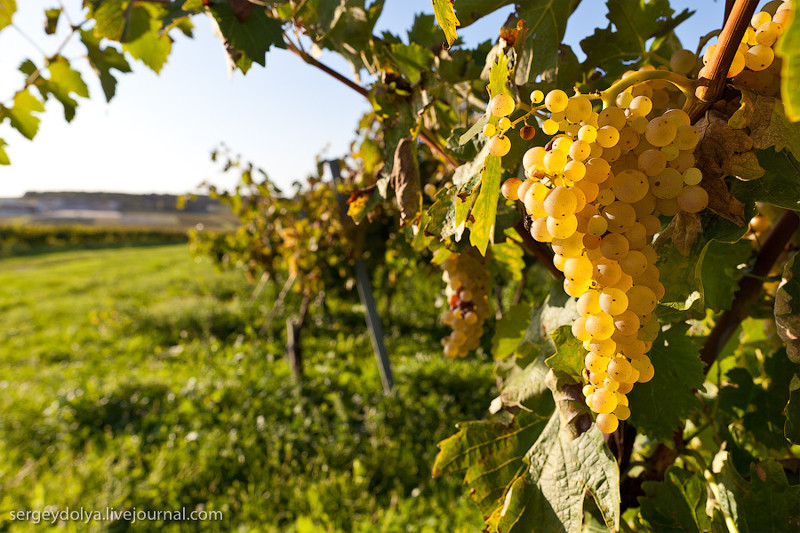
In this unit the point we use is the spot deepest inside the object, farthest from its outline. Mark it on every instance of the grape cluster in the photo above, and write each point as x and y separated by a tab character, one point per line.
467	294
595	193
755	66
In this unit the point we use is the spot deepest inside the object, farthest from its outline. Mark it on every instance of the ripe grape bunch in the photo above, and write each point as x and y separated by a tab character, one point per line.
467	294
595	193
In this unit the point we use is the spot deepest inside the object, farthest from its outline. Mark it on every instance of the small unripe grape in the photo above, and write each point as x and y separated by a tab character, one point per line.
607	423
499	145
537	96
501	105
504	123
692	176
598	225
489	130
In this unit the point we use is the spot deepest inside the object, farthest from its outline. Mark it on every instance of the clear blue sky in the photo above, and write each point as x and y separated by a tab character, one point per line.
156	135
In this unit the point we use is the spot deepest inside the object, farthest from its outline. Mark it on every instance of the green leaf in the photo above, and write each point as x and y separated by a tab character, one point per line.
791	429
546	22
474	130
510	330
764	503
509	258
152	48
660	406
788	48
787	308
469	11
767	123
247	41
3	155
780	186
623	42
718	273
412	59
568	359
557	310
524	387
116	20
65	81
51	20
485	209
21	114
103	60
446	17
562	469
424	32
7	10
498	76
676	504
491	453
442	214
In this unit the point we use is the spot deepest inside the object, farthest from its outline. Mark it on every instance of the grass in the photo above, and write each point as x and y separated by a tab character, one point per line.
133	378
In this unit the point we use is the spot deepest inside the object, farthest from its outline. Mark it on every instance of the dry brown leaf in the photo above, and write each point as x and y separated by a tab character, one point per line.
405	181
718	153
766	121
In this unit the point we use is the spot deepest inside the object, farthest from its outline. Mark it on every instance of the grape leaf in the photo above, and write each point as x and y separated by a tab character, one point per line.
546	22
405	181
21	114
64	81
117	20
469	11
103	60
766	120
787	308
151	48
549	497
247	41
446	17
442	214
3	155
764	503
676	504
780	186
423	31
510	330
485	209
631	26
412	59
51	20
720	146
717	272
524	387
509	259
7	9
791	429
660	406
788	48
568	359
491	454
498	77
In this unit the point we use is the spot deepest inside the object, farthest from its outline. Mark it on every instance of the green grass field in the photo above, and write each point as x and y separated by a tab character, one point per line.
133	377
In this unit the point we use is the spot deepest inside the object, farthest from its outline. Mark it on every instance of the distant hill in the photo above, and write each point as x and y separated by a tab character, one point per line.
157	203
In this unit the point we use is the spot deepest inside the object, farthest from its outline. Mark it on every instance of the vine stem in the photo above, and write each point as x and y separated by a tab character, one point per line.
749	286
711	79
686	86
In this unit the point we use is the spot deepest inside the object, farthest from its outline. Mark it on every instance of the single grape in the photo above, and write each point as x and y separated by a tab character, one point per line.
499	145
613	301
660	131
759	57
555	161
510	188
619	369
693	199
627	322
501	105
607	136
604	401
537	96
687	137
641	106
504	123
489	130
587	133
562	228
589	303
607	422
600	326
630	186
614	246
574	170
550	127
682	61
526	132
666	185
556	101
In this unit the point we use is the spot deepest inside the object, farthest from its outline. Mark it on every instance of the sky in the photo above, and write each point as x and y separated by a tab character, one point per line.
156	135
